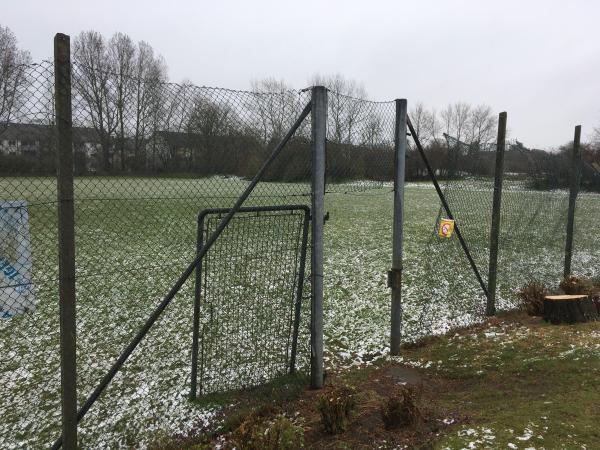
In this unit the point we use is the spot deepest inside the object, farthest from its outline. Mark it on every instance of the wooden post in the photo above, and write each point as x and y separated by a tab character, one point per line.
319	136
573	192
490	309
395	274
66	239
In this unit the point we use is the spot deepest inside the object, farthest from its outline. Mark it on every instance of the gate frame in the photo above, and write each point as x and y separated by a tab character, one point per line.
198	283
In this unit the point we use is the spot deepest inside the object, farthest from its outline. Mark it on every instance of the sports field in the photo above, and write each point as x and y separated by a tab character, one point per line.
134	237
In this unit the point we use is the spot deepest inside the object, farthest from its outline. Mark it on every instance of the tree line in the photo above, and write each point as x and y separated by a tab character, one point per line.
129	118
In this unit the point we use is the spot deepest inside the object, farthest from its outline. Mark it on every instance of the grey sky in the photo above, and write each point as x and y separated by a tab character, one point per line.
538	60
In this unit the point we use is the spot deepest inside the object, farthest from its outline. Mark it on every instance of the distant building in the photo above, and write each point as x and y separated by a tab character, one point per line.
36	143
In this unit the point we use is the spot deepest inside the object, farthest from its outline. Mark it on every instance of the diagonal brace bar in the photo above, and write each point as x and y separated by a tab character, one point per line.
431	173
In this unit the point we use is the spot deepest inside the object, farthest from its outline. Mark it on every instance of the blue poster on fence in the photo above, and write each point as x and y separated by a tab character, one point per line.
16	289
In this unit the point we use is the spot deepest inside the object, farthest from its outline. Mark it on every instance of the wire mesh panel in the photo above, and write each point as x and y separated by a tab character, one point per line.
145	168
148	155
248	288
359	192
532	233
360	143
29	336
586	239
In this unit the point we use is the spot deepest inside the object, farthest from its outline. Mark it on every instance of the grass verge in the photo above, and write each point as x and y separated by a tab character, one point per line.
513	382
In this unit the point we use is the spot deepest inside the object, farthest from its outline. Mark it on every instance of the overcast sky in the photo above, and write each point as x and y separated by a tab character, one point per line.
538	60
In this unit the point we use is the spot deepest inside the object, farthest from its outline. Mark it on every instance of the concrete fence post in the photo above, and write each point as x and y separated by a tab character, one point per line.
575	175
66	239
395	274
490	309
319	136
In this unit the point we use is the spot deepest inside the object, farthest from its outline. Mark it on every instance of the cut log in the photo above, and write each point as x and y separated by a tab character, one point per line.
569	309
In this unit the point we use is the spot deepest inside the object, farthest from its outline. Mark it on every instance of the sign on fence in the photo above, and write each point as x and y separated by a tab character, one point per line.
16	289
446	228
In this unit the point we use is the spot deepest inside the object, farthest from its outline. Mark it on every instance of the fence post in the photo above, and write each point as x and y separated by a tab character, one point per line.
319	136
196	317
395	274
490	309
573	192
66	239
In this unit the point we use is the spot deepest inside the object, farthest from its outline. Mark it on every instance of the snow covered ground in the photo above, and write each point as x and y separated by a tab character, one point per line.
135	236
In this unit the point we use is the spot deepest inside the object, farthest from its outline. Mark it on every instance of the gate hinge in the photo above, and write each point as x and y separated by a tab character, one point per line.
395	278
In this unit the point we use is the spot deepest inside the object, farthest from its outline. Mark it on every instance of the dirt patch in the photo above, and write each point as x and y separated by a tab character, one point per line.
366	428
404	375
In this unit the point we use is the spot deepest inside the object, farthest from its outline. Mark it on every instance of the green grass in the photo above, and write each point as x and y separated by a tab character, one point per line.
530	385
513	382
135	235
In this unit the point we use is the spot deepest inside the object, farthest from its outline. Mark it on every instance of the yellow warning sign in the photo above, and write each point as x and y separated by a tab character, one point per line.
446	228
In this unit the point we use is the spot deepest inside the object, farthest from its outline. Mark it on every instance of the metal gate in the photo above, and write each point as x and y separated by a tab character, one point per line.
248	297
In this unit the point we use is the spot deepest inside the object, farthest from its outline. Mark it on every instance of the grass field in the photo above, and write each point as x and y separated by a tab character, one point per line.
135	235
511	382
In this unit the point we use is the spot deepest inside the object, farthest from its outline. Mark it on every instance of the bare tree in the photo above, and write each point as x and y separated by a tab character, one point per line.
120	87
13	79
372	130
481	126
435	127
209	127
179	106
346	113
596	139
121	54
455	119
150	73
423	122
92	82
173	115
275	105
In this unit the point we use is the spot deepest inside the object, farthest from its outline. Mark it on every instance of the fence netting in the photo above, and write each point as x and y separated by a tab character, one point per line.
358	201
163	155
259	263
29	329
532	229
149	157
586	240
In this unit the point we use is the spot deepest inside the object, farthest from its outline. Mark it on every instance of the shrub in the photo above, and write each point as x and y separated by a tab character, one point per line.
259	433
336	408
575	285
401	409
532	297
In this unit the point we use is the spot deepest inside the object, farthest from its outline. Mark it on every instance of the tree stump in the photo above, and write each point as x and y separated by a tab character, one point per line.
569	309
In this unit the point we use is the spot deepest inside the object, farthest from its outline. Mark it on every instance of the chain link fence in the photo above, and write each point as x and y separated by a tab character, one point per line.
149	157
29	338
533	219
258	262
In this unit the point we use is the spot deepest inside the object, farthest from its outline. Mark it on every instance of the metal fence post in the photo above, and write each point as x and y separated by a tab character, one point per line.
395	274
66	239
196	317
299	292
490	309
319	136
573	192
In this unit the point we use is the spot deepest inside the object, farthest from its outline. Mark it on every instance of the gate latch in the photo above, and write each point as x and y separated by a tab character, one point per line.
395	278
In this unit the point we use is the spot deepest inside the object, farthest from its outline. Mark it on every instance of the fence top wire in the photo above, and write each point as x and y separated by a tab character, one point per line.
131	125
